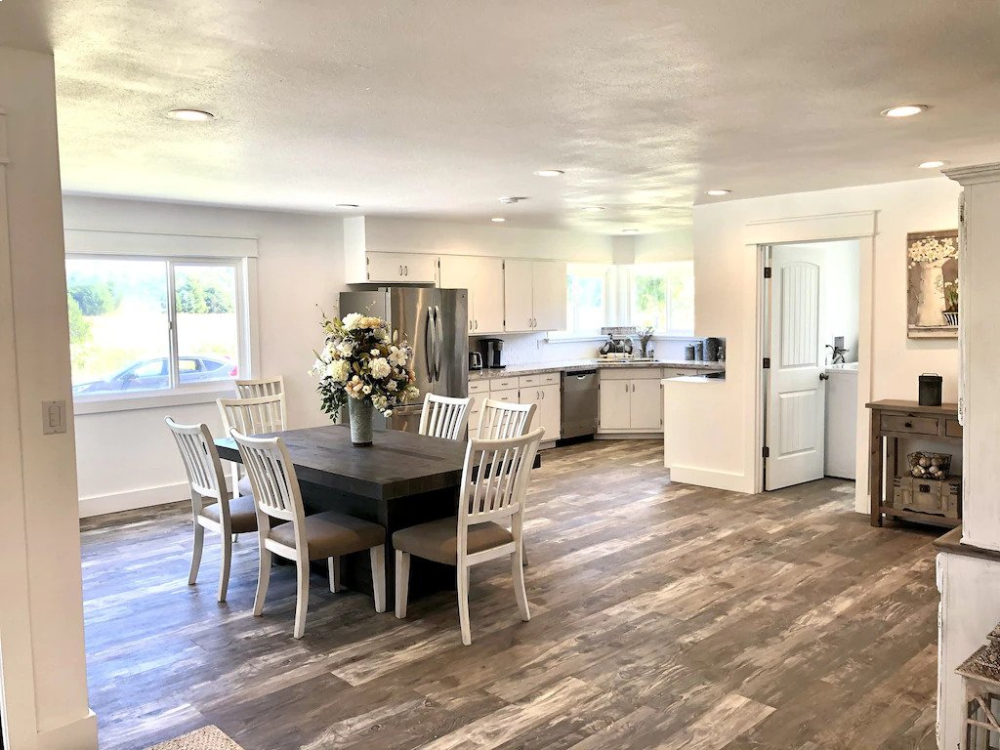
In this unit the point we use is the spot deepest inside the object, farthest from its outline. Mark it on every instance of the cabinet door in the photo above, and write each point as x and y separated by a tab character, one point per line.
532	395
644	405
551	410
616	399
487	282
385	267
517	294
549	295
459	272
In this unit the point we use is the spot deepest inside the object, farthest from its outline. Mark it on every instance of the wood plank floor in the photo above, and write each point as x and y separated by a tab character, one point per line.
664	616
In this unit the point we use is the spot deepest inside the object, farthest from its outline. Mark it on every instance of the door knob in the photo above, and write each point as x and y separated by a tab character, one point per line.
824	376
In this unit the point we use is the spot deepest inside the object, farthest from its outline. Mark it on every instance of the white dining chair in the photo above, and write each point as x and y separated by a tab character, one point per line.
500	420
261	387
212	505
493	491
445	417
259	415
323	536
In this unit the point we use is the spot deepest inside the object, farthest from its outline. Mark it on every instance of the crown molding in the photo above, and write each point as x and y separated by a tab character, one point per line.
974	175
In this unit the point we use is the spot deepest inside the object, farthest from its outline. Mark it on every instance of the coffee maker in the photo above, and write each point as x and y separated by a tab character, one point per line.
492	350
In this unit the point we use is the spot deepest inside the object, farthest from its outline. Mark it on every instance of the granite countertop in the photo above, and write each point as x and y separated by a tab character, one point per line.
576	365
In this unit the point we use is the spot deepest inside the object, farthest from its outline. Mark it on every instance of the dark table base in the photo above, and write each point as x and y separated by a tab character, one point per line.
426	577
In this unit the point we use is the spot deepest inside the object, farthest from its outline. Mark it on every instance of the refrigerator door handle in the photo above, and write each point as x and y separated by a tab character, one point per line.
439	331
429	344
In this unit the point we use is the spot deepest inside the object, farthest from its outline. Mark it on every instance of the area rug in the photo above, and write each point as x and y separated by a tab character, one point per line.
206	738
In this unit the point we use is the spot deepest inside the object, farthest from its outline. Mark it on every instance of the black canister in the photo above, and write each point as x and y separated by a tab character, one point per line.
930	389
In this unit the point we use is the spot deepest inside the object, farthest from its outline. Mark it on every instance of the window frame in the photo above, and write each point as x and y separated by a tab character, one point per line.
633	272
605	271
179	393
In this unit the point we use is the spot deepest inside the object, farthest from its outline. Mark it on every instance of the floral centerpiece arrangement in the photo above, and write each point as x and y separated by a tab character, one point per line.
363	364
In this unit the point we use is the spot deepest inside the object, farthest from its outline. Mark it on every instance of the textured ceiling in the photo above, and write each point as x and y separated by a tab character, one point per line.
438	108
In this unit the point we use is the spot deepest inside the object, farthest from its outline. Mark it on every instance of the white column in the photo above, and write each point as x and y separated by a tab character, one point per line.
42	659
979	329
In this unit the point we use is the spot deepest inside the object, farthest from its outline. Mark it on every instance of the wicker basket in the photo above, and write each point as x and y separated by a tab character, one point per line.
924	465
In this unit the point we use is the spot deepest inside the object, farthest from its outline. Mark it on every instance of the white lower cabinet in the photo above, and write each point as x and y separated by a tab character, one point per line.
631	400
546	397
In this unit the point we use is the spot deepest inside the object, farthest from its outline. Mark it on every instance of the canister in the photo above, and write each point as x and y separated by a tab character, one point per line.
930	389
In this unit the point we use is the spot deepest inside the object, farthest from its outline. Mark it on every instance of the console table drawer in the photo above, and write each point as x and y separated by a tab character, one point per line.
952	428
913	425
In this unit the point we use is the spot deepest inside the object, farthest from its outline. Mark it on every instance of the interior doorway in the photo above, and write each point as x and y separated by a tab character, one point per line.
811	310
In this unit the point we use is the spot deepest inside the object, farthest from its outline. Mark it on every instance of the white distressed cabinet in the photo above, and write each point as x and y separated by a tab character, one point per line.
483	278
543	391
535	295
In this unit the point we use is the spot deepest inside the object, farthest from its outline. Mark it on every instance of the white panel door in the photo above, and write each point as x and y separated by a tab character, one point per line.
488	286
517	285
459	272
616	404
796	400
645	406
549	295
551	410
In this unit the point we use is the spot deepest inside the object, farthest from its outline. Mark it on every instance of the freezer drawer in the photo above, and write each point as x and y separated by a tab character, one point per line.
579	404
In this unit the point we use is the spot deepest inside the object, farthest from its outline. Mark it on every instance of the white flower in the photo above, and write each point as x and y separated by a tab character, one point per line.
351	321
397	356
388	412
366	389
380	402
339	370
391	385
346	348
379	368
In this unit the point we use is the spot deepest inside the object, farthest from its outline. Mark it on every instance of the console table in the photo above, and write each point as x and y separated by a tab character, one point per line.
891	421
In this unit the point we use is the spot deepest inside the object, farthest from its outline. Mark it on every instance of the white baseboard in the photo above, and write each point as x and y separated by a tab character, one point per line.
720	480
629	436
77	735
99	505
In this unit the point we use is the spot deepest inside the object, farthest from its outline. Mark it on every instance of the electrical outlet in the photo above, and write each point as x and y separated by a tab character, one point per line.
53	417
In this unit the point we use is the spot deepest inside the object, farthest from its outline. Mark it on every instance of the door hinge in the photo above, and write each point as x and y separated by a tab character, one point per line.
766	452
767	363
767	272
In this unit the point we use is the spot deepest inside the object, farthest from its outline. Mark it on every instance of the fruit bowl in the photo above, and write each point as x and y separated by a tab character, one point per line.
925	465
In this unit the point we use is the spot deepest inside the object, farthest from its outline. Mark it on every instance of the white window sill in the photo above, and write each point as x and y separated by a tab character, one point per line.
568	338
99	405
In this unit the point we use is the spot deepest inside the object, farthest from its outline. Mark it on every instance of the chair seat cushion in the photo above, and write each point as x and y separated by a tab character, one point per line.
438	540
242	514
243	487
332	534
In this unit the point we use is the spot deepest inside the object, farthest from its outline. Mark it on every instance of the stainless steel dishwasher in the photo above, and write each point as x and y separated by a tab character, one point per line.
579	404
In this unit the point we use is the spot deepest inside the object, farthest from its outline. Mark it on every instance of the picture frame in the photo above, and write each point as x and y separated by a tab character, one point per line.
932	292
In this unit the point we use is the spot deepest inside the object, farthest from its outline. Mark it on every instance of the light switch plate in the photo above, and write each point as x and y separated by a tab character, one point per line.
53	417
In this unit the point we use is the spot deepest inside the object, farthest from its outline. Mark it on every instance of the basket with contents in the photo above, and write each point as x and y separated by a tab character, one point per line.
929	465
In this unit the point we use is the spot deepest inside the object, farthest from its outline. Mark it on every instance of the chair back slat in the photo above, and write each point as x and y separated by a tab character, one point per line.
201	460
500	420
495	480
445	417
253	416
260	387
272	477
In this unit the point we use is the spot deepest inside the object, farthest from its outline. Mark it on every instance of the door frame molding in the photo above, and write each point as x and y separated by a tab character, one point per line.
863	227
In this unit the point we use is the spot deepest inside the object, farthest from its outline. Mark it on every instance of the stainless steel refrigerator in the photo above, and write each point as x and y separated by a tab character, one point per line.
435	323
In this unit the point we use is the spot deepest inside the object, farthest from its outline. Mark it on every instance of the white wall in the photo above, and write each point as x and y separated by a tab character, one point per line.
726	279
127	458
41	614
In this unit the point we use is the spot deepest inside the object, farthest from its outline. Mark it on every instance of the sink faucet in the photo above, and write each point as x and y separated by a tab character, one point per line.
838	353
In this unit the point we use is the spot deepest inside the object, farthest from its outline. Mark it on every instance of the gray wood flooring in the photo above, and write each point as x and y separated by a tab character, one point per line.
664	616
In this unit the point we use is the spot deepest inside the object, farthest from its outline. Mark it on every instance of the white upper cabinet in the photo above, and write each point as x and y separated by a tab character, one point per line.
518	294
400	268
535	295
483	278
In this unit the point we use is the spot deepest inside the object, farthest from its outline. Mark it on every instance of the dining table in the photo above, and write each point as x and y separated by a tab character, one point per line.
401	480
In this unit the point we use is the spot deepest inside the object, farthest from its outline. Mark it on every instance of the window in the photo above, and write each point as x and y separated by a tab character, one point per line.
141	325
586	298
662	297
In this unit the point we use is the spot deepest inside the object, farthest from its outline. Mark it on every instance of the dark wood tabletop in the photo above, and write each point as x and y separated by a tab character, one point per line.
399	464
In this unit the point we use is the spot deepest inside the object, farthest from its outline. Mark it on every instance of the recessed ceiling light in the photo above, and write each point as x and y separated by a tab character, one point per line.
190	115
549	172
630	231
931	164
591	209
716	192
904	110
346	205
498	220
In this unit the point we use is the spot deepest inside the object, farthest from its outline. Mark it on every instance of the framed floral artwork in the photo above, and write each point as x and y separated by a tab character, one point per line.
932	284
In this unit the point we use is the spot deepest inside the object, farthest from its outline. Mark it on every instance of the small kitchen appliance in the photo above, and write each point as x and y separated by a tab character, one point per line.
492	350
475	361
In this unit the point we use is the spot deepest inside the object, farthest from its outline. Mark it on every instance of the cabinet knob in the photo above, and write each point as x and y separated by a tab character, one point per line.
908	425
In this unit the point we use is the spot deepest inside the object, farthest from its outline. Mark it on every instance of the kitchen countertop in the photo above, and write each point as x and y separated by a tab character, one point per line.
576	365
